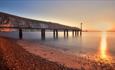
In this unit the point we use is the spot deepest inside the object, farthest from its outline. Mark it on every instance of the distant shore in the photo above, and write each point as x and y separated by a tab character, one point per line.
27	55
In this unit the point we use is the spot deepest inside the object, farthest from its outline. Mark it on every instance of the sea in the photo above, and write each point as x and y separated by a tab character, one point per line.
95	44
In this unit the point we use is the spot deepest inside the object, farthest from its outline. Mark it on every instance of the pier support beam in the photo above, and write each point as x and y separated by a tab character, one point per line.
80	32
67	33
20	34
43	34
73	33
64	33
56	33
76	32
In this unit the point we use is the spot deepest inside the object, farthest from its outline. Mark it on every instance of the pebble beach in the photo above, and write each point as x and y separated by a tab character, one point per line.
14	57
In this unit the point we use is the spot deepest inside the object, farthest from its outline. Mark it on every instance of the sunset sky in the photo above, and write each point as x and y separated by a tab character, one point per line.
95	14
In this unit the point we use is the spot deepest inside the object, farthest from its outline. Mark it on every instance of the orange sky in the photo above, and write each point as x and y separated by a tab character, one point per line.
95	14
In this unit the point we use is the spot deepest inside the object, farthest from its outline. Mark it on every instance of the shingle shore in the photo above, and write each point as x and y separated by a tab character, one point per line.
14	57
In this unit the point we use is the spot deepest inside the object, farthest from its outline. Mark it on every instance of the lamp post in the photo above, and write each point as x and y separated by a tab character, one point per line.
81	28
81	25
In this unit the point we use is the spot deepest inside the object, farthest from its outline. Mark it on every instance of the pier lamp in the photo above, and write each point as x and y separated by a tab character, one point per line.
81	25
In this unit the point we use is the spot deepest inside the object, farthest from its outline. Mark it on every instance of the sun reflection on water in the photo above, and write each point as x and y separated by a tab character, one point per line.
103	46
104	55
104	49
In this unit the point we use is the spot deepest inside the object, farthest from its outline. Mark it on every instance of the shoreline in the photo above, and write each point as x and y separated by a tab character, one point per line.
25	55
53	54
14	57
49	53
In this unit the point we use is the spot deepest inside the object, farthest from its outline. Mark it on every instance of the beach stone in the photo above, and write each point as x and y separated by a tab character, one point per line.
14	57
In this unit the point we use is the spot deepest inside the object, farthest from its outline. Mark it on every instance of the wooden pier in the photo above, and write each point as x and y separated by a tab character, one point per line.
8	21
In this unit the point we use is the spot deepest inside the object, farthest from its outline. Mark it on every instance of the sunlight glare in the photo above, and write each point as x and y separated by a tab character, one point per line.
103	46
103	26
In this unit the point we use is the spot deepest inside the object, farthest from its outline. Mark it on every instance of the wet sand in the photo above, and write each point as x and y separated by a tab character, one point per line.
14	57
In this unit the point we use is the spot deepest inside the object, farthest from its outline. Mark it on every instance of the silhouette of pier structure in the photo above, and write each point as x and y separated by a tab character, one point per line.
10	22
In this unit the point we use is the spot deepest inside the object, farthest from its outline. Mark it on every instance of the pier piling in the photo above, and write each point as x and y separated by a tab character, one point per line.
20	34
67	33
64	33
56	33
73	33
43	34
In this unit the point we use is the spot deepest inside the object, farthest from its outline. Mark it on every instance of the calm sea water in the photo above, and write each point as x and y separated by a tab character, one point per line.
90	43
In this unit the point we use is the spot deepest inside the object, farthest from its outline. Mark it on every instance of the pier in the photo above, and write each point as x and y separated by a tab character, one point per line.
8	21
